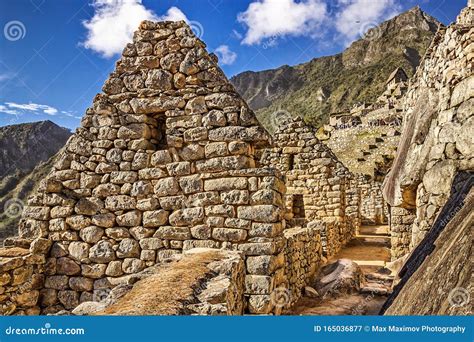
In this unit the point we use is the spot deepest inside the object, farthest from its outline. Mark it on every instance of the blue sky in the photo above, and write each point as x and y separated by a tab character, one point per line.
56	54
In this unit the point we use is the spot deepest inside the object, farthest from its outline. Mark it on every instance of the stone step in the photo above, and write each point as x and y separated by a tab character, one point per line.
370	262
379	277
375	288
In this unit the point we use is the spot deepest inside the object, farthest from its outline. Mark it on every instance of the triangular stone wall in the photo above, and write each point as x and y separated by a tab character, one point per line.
163	162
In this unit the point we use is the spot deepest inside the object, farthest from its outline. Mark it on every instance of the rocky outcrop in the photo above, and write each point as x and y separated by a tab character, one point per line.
440	267
261	88
436	142
342	276
26	156
203	281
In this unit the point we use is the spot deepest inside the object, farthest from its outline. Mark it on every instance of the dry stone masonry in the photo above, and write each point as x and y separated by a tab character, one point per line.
437	139
165	161
303	257
433	178
373	209
317	183
169	159
201	281
22	278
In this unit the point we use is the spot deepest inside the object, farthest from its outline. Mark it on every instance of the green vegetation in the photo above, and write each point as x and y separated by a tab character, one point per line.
357	75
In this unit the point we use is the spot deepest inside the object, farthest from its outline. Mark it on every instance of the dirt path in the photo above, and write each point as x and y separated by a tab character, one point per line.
371	251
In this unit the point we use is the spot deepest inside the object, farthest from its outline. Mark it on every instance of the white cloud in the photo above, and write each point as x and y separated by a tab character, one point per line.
174	14
356	16
276	18
226	56
6	110
50	111
6	76
19	108
71	114
113	24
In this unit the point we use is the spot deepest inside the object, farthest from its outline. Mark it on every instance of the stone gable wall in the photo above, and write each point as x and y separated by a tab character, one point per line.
163	162
317	183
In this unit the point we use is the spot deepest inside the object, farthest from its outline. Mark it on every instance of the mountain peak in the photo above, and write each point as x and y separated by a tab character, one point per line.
416	8
356	75
404	31
24	145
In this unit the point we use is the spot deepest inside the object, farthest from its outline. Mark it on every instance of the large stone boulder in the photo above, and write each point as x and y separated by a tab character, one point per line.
343	276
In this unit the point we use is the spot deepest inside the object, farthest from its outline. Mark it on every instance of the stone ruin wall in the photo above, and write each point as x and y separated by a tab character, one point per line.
164	162
436	142
354	206
303	256
373	209
318	185
400	222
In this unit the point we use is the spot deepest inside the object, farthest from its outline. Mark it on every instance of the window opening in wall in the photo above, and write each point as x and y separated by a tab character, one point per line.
158	132
298	206
291	161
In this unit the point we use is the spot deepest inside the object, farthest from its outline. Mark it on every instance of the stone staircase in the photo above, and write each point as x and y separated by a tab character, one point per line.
365	150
